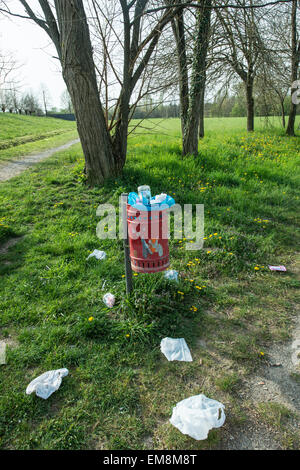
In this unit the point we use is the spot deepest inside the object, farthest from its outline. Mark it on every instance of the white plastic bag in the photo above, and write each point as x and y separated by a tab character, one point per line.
109	300
197	415
159	198
47	383
171	275
97	254
175	349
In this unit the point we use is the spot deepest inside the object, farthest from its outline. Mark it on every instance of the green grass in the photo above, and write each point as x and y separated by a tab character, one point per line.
120	390
21	135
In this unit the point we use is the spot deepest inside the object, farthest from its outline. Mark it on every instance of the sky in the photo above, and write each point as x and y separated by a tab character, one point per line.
33	51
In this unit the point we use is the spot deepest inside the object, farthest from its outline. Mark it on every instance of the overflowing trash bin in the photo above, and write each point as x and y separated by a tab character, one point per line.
147	219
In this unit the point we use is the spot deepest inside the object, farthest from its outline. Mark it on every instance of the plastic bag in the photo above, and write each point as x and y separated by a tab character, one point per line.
97	254
171	275
109	300
159	198
47	383
175	349
197	415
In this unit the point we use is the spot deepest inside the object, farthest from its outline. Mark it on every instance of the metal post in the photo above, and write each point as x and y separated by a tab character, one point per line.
128	270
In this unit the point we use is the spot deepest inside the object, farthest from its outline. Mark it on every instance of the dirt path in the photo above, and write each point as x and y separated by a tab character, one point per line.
273	384
14	167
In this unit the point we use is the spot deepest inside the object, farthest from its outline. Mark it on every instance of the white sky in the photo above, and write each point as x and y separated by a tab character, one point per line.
32	48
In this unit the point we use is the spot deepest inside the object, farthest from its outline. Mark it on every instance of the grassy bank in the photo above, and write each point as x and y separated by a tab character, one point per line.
229	307
22	135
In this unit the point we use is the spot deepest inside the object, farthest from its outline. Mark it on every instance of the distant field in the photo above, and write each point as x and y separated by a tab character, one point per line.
21	135
13	126
213	126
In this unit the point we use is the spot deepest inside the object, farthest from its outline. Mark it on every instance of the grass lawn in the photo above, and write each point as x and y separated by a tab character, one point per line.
21	135
229	307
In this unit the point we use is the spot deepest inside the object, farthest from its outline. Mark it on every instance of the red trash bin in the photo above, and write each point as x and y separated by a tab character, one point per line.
148	242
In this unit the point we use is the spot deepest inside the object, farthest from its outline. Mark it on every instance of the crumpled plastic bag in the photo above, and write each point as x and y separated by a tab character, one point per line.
97	254
109	300
171	275
47	383
159	198
197	415
175	349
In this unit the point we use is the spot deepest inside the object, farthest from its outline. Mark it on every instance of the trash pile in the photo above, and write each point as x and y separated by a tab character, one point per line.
143	199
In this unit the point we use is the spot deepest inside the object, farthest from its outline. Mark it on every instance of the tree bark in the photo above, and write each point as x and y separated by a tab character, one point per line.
282	113
178	31
290	130
190	137
201	115
250	105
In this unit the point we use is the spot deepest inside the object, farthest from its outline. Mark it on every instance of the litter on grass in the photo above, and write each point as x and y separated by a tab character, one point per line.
2	352
97	254
197	415
47	383
109	300
175	349
277	268
171	275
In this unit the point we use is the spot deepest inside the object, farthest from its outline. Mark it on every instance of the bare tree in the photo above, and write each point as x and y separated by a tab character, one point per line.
8	84
192	82
242	48
30	103
66	24
66	102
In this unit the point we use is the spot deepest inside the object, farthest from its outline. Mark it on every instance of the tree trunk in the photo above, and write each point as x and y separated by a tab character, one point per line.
79	74
201	116
190	138
178	30
250	105
120	136
282	113
290	130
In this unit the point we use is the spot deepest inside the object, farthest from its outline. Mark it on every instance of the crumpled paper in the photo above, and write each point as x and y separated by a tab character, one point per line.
47	383
175	349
